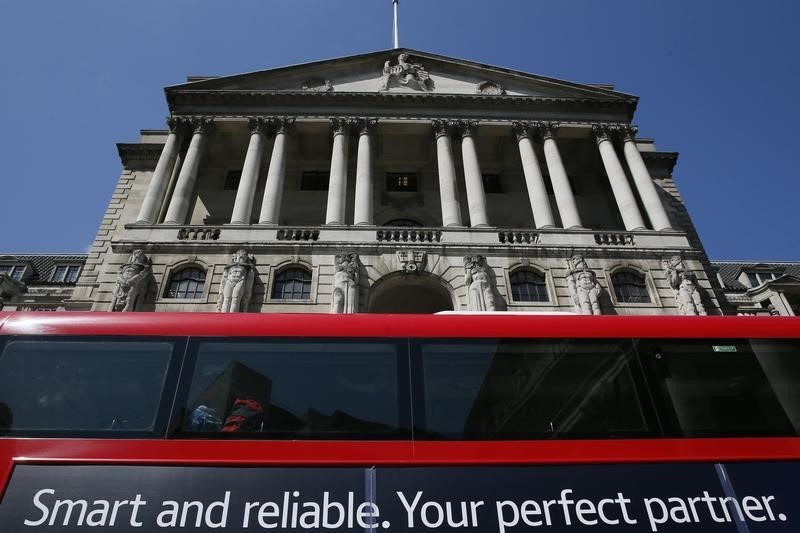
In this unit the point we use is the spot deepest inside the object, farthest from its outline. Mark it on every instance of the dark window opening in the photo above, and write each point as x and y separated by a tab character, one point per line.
630	287
186	283
314	180
401	182
528	286
66	273
292	284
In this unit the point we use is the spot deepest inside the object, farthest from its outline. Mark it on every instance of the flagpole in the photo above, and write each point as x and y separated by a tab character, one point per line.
396	37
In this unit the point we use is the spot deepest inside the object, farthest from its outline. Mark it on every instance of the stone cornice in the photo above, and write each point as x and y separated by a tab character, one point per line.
136	154
667	159
189	101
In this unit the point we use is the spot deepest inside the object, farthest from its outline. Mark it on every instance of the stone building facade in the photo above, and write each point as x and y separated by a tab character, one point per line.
397	181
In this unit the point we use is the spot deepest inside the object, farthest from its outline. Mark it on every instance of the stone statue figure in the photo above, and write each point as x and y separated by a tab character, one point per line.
237	283
480	286
583	286
406	74
345	284
132	283
683	285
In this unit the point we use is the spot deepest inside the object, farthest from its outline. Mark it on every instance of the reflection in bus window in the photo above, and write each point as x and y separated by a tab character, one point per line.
729	387
89	386
520	389
297	389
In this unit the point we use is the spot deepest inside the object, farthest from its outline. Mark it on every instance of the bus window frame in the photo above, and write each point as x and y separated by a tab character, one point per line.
165	404
176	429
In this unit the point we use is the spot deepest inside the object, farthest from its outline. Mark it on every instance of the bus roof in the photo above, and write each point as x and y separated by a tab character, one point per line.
387	325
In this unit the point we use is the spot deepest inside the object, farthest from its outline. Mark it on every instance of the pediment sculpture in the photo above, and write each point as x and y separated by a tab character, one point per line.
236	288
317	85
583	286
490	88
684	286
132	282
405	74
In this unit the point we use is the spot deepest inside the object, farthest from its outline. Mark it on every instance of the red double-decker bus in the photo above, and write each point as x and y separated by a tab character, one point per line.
508	423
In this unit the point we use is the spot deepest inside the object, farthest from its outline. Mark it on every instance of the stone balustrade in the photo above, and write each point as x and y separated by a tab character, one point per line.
614	239
199	233
297	234
408	235
518	237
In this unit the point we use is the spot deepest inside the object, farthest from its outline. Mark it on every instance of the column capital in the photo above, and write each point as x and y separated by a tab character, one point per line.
442	128
176	124
602	132
547	130
341	125
365	126
202	125
259	125
466	128
521	130
628	132
281	124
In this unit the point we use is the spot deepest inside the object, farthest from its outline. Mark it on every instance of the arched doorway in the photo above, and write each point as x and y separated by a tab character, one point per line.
409	293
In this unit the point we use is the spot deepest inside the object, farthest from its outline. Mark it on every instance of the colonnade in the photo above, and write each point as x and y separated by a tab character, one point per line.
445	131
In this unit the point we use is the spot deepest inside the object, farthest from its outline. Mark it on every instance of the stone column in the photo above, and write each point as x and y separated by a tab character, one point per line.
565	199
364	186
154	197
243	205
537	193
184	188
451	209
476	197
644	182
273	190
337	186
626	201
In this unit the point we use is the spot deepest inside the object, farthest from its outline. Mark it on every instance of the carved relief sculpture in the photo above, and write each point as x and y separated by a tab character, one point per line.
683	285
132	282
490	88
583	286
345	284
236	288
318	85
480	284
412	262
405	74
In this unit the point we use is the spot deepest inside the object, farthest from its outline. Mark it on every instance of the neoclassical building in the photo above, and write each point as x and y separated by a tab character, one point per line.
397	181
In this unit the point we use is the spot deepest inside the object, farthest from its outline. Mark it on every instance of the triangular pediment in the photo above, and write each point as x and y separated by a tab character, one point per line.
414	73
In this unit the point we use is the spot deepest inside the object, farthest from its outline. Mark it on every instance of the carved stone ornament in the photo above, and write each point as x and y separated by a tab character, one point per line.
490	88
480	284
132	282
411	261
318	85
405	74
583	286
345	284
236	288
684	286
521	130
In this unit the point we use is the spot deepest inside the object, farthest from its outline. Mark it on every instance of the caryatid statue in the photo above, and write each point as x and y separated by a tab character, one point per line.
132	282
683	285
480	284
583	286
345	284
236	288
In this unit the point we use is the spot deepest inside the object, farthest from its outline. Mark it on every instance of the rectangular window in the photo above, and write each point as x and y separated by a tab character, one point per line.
232	180
759	278
66	273
314	180
83	386
299	389
528	389
728	387
401	182
492	183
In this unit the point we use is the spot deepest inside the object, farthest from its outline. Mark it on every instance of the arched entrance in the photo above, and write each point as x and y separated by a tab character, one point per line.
409	293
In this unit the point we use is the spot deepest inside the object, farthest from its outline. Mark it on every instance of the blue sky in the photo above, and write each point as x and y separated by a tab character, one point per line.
718	82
